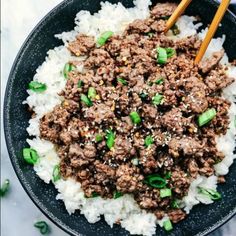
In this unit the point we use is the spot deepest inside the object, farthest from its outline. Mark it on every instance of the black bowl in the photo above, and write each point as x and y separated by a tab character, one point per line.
202	220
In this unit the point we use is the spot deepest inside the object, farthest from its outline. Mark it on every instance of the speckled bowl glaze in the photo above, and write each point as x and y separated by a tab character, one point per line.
203	218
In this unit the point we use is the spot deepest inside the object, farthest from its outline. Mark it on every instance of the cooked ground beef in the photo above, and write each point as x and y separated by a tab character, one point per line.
99	143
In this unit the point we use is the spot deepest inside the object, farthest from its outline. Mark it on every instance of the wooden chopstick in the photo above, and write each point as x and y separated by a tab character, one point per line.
177	13
212	29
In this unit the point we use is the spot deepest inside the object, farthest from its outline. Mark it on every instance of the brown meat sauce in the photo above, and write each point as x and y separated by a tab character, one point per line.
179	145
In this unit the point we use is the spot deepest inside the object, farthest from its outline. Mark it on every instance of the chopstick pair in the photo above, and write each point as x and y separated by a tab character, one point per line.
212	29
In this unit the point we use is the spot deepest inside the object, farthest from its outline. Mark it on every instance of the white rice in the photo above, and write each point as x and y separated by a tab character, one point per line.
124	209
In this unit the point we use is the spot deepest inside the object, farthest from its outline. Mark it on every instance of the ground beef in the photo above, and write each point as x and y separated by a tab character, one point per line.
217	80
129	179
97	140
99	113
195	96
138	26
180	182
52	123
176	215
173	120
82	45
148	199
123	148
104	173
147	159
209	64
162	10
186	146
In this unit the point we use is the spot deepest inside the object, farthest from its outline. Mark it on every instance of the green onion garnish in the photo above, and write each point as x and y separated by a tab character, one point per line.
168	175
86	100
235	121
42	226
174	204
104	37
143	95
167	225
148	141
157	99
170	52
206	116
67	68
30	155
110	137
175	29
5	187
98	138
161	55
80	83
155	181
165	17
212	194
37	87
117	194
122	81
56	173
150	34
135	161
94	194
165	192
159	81
92	92
134	116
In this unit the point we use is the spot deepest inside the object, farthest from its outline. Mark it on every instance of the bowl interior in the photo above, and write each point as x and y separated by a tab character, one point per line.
202	219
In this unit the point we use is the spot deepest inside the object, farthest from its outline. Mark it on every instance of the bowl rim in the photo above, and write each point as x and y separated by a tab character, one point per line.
7	132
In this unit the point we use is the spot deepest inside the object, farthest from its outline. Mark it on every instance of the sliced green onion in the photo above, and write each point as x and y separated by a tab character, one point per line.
168	175
86	100
175	204
175	29
161	55
157	99
170	52
167	225
110	137
165	192
67	68
80	83
30	155
42	226
122	81
148	141
98	138
235	121
143	95
134	116
159	81
165	17
37	87
92	92
206	117
94	194
5	187
212	194
104	37
135	161
117	194
155	181
56	173
150	34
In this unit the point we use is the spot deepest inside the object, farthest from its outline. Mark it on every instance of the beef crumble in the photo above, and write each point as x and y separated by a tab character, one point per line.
99	143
